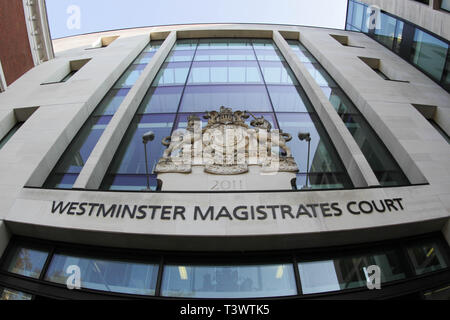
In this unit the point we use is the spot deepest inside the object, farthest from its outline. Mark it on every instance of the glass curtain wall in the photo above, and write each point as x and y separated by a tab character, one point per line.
380	160
429	53
72	161
242	74
246	275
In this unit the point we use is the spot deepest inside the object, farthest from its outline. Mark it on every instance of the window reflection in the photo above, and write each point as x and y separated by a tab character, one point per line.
429	53
106	275
26	261
203	98
276	72
348	272
380	159
66	171
130	158
222	72
386	33
10	294
245	281
161	100
426	257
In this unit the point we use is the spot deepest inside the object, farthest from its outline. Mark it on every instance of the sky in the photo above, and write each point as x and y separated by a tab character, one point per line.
74	17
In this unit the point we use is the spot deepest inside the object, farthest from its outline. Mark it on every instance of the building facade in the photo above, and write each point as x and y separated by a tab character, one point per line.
361	176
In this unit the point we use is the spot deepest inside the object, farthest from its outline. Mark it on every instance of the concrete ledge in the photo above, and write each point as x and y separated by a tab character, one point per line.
353	159
101	156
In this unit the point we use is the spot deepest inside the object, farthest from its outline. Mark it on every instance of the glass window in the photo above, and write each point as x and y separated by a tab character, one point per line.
130	157
225	44
426	257
245	281
172	73
144	57
445	4
358	12
180	55
429	54
379	158
106	275
10	134
319	74
132	182
348	272
398	36
242	97
26	261
161	100
82	145
269	54
224	72
111	102
224	54
322	180
386	33
289	99
130	76
10	294
276	72
323	157
301	52
339	100
61	180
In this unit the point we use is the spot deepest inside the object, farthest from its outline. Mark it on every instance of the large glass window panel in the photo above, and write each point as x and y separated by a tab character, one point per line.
185	44
172	73
289	99
269	54
130	76
339	100
132	182
379	158
348	272
106	275
429	53
426	257
445	4
245	281
82	145
130	157
398	36
144	57
26	261
237	97
224	44
182	119
225	72
386	33
323	157
10	294
61	180
277	73
111	102
161	100
358	13
180	55
322	180
224	55
153	46
319	74
301	52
